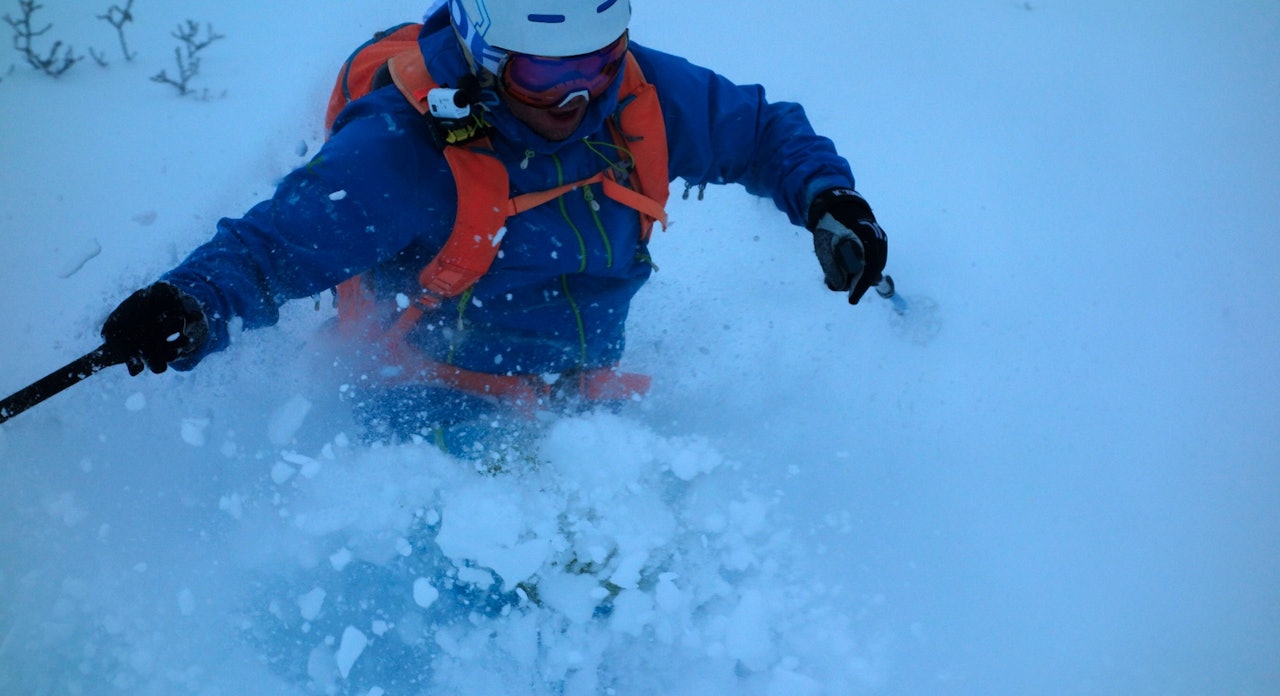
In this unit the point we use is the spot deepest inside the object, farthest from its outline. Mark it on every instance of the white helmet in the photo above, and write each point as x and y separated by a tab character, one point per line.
489	29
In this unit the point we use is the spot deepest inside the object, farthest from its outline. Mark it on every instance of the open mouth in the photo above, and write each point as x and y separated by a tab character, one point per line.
569	113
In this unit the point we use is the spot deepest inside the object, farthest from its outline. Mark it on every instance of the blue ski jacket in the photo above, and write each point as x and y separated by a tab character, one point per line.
379	195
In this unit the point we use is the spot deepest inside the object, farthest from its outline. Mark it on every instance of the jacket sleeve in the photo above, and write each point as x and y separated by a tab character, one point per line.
365	196
720	132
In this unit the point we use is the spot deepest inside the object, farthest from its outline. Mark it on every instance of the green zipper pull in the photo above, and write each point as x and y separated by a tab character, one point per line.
644	257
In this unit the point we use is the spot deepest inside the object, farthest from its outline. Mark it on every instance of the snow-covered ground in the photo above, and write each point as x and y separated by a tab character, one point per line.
1071	487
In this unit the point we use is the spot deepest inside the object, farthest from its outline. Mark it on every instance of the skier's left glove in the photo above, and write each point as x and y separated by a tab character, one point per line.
851	247
154	327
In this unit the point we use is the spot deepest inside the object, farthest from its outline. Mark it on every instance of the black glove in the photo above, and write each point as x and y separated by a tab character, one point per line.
850	245
154	327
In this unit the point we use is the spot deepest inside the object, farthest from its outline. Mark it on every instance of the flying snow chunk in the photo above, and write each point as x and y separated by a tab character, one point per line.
697	459
193	431
287	419
309	604
136	402
632	611
232	505
353	643
475	576
307	466
337	195
424	594
484	523
340	558
571	595
282	472
627	575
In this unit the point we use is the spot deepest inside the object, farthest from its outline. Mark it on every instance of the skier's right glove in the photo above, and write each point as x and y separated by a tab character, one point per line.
154	327
849	243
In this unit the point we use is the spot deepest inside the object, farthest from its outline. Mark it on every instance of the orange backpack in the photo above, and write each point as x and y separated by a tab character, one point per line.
485	203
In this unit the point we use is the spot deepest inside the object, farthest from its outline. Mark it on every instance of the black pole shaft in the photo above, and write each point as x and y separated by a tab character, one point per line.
58	380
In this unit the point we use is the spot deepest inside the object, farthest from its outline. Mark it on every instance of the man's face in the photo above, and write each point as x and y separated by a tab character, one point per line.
551	95
556	123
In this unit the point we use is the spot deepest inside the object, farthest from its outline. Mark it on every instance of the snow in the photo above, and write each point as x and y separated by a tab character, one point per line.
424	593
193	431
287	419
186	602
1055	473
136	401
310	603
353	644
340	558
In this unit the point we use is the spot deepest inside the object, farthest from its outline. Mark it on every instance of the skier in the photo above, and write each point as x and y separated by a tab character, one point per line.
556	95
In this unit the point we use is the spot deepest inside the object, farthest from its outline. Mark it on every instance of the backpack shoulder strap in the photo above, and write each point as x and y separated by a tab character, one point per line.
410	75
483	192
356	78
640	129
483	188
482	184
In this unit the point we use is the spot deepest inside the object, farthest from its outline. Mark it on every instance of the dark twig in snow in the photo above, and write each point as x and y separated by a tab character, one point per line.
59	58
117	17
187	55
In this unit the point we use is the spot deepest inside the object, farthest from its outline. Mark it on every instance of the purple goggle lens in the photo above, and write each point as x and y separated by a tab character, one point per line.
547	83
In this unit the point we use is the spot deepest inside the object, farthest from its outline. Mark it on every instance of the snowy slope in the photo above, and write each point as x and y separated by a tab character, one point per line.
1072	488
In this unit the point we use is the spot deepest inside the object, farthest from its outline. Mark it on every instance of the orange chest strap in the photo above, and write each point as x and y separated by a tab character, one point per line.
482	213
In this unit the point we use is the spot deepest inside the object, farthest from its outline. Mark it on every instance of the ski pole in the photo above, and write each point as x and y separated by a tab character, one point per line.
59	380
886	290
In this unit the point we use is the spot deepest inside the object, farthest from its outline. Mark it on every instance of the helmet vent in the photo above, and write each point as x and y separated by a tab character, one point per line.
547	18
605	5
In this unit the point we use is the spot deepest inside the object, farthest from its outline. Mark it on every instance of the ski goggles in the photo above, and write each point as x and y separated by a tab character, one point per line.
547	83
